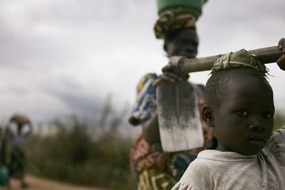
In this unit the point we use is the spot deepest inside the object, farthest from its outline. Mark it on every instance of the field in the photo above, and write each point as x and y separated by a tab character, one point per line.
36	183
81	155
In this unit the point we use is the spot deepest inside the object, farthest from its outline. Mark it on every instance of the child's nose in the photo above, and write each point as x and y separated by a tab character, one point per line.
256	127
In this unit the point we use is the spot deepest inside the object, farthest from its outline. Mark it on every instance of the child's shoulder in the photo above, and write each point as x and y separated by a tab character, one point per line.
279	134
196	176
276	144
203	162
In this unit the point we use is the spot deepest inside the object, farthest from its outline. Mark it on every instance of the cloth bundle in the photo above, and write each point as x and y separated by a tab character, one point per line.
173	19
239	59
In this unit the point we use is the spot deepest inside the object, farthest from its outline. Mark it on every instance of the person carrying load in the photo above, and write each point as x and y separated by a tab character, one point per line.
17	139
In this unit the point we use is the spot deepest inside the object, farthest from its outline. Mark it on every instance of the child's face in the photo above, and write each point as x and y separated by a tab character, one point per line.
243	122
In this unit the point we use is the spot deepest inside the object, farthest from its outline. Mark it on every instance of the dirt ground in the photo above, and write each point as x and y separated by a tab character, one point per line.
36	183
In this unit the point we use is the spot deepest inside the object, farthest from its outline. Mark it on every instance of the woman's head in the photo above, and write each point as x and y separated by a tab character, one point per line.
182	42
240	108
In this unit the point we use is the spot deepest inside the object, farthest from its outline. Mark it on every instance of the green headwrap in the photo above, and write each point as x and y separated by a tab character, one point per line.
176	14
238	59
192	6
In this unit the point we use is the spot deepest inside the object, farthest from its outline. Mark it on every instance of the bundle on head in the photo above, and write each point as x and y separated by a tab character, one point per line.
20	119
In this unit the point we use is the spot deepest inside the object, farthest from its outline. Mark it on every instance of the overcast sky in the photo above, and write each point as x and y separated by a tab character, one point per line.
65	56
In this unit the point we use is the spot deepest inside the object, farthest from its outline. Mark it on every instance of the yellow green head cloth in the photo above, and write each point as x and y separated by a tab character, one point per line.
176	14
238	59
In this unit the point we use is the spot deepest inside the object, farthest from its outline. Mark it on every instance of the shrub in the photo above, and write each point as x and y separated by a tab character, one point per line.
72	155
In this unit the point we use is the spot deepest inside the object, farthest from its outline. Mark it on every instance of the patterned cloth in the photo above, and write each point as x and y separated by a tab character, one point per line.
173	19
154	168
154	179
145	103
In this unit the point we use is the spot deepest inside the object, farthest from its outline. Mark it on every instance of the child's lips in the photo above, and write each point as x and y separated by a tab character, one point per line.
257	139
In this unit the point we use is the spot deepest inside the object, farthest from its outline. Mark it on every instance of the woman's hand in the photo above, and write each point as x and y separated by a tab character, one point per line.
281	60
171	74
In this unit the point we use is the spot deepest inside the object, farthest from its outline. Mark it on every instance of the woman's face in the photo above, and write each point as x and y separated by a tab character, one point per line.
243	122
184	43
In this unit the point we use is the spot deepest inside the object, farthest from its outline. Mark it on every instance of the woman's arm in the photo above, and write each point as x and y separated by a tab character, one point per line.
151	129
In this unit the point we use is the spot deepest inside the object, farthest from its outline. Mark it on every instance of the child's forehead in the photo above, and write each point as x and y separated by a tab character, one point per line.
243	78
248	90
232	81
240	76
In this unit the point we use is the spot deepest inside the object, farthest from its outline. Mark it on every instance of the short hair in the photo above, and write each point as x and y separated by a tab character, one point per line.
217	84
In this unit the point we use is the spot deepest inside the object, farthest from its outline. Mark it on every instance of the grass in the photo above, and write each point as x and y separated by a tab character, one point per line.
74	156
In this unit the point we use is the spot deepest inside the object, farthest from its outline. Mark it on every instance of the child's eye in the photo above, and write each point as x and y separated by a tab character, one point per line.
268	115
242	113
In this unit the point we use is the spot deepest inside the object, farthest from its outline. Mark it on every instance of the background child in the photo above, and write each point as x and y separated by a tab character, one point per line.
240	108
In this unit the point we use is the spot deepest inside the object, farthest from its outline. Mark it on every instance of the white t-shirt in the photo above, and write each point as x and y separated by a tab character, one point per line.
217	170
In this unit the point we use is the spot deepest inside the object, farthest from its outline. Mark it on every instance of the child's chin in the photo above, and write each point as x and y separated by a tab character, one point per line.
253	148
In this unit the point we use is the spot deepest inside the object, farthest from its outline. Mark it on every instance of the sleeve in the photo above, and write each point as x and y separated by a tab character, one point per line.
276	145
145	103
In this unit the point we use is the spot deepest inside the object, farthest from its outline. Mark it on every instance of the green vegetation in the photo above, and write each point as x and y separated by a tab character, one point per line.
72	155
75	153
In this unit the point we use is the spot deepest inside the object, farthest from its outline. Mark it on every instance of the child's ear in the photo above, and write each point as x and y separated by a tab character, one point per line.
208	117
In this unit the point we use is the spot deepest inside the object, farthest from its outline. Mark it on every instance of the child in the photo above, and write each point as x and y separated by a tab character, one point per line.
240	108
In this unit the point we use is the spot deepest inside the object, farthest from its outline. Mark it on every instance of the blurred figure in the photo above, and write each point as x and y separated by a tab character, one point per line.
18	129
4	172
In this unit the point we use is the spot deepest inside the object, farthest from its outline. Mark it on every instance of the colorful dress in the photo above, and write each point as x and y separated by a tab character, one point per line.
154	168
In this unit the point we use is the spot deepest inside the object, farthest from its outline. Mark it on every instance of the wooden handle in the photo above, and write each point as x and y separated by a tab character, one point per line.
265	55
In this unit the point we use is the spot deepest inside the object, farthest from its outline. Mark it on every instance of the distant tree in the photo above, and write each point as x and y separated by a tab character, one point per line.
110	116
107	110
117	120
